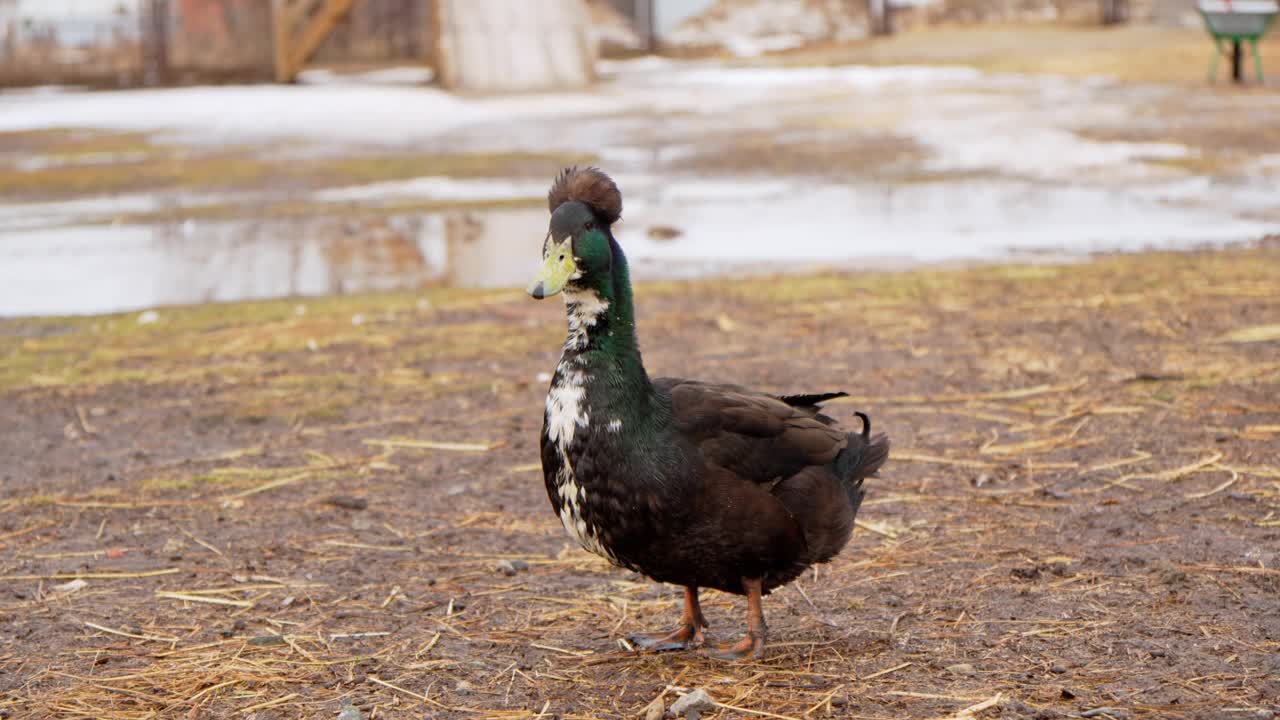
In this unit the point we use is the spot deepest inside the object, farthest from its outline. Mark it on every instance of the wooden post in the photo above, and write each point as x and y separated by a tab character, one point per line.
648	24
880	17
1115	12
155	42
440	44
280	31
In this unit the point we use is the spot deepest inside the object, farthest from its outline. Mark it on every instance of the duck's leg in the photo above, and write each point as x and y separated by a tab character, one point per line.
689	634
751	646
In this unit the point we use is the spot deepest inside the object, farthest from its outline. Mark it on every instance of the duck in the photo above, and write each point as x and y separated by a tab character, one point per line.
692	483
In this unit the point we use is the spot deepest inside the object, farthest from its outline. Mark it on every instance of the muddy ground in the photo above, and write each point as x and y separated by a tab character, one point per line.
278	509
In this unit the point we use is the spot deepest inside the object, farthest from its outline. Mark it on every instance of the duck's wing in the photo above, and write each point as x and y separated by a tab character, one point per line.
756	436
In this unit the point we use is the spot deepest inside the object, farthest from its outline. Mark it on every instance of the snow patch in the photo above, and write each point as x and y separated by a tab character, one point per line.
435	188
748	28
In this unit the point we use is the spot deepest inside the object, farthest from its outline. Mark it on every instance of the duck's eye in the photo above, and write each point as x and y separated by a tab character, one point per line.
561	257
590	225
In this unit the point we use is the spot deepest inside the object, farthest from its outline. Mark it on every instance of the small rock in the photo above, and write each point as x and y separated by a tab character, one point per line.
350	712
960	669
357	320
506	567
1066	694
266	640
982	480
654	709
1059	669
360	522
692	704
1025	573
892	600
349	502
173	548
462	688
663	233
69	587
839	700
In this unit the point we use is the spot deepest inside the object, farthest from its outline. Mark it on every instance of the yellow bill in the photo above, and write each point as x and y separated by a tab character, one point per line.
557	268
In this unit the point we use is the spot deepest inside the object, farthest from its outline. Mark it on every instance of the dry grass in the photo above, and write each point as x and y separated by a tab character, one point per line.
74	163
1080	515
1135	53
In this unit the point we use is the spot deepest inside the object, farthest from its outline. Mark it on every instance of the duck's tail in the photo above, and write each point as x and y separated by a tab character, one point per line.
863	456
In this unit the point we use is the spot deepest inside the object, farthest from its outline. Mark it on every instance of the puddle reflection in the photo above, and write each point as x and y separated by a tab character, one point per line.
98	269
678	228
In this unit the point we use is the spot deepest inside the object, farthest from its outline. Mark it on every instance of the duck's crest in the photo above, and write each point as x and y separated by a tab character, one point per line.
590	186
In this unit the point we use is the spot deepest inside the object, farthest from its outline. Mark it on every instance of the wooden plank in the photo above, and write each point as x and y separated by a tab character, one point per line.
299	27
442	44
317	29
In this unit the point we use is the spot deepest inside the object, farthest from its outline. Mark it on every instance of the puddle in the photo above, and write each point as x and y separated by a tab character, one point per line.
671	228
98	269
746	223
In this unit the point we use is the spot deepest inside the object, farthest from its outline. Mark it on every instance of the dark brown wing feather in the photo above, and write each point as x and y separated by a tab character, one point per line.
756	436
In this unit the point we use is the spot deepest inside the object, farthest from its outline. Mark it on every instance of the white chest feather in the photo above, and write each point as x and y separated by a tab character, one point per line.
566	408
567	414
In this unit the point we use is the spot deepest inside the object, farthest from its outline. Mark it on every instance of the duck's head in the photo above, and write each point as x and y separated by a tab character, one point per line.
578	249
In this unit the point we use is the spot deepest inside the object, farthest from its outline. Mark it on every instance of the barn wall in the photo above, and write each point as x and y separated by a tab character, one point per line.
211	38
381	31
200	40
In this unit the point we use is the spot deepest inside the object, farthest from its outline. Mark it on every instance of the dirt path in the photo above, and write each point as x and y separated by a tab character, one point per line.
1082	512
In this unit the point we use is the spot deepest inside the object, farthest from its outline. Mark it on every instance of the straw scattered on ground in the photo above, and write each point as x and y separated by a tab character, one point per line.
281	509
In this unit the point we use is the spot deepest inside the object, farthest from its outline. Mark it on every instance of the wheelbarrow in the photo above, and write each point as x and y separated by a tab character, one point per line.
1232	23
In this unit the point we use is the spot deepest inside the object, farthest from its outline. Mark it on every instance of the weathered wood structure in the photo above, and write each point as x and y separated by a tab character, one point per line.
497	45
475	45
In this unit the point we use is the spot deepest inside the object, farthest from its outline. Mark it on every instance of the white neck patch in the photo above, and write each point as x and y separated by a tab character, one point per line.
584	310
